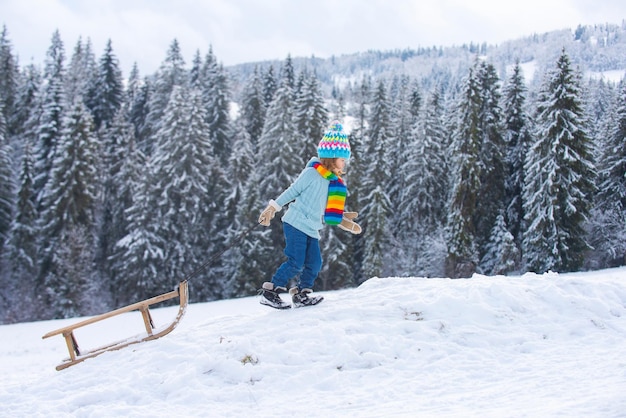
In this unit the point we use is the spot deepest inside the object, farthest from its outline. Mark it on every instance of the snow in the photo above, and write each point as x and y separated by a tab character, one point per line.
529	69
612	76
536	345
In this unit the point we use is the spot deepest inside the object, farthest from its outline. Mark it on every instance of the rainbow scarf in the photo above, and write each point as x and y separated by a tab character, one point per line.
336	194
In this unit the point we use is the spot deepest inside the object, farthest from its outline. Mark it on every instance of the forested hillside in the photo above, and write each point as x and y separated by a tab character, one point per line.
466	159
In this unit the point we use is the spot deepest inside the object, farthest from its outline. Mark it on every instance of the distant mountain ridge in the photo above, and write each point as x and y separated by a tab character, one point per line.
596	49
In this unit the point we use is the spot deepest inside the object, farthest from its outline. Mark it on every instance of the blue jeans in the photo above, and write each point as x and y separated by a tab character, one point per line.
304	258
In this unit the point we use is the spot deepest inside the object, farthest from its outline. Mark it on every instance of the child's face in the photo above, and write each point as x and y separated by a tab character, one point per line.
340	163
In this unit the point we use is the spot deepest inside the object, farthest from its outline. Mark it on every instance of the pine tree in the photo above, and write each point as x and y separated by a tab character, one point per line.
463	256
26	106
116	195
609	214
81	73
559	176
68	219
421	211
357	174
288	75
7	183
140	254
404	117
9	75
137	99
502	255
108	89
310	115
376	205
492	155
171	74
253	107
187	192
22	247
24	228
216	98
517	139
50	121
241	166
377	237
195	73
280	161
270	85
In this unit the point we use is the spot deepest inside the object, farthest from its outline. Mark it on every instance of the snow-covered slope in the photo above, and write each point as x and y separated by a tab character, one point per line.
549	345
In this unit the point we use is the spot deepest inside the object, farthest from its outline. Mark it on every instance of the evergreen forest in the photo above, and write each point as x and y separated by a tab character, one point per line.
471	159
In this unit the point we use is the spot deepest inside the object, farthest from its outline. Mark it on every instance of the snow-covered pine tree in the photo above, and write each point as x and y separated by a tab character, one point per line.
170	74
23	236
310	115
280	162
423	199
189	193
270	85
405	103
378	235
81	72
466	171
195	73
137	98
609	213
287	75
9	81
376	207
491	155
22	247
51	102
216	97
139	256
502	255
107	90
517	140
253	108
7	184
67	220
241	165
560	176
600	98
25	116
356	174
118	143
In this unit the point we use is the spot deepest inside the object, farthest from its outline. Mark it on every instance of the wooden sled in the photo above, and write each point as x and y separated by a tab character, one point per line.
68	332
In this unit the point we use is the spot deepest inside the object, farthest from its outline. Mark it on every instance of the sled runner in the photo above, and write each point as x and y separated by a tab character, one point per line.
152	334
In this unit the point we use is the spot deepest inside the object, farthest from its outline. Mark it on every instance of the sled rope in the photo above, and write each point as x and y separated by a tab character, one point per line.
216	256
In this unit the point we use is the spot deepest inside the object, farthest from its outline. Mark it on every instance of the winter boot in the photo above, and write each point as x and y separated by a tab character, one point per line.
301	297
270	296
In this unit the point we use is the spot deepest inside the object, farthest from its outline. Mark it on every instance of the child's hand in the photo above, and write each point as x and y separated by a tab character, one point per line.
347	223
268	214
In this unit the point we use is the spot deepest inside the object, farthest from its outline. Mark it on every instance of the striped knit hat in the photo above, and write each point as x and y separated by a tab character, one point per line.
334	143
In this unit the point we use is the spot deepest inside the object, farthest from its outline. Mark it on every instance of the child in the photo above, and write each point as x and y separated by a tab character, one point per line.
318	196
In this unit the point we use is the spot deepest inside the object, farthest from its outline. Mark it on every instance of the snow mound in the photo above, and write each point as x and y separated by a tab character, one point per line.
536	345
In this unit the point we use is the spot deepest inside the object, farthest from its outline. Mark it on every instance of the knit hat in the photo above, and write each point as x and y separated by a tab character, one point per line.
334	143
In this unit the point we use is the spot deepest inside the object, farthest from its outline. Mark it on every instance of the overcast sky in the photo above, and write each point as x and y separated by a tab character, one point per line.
253	30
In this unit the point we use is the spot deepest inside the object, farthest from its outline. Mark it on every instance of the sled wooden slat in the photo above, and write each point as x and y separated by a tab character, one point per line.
144	307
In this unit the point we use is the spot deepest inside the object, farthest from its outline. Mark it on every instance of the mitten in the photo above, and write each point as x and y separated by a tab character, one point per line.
268	214
347	223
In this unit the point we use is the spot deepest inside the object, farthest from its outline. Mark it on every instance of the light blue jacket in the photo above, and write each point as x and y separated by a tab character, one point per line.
310	192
